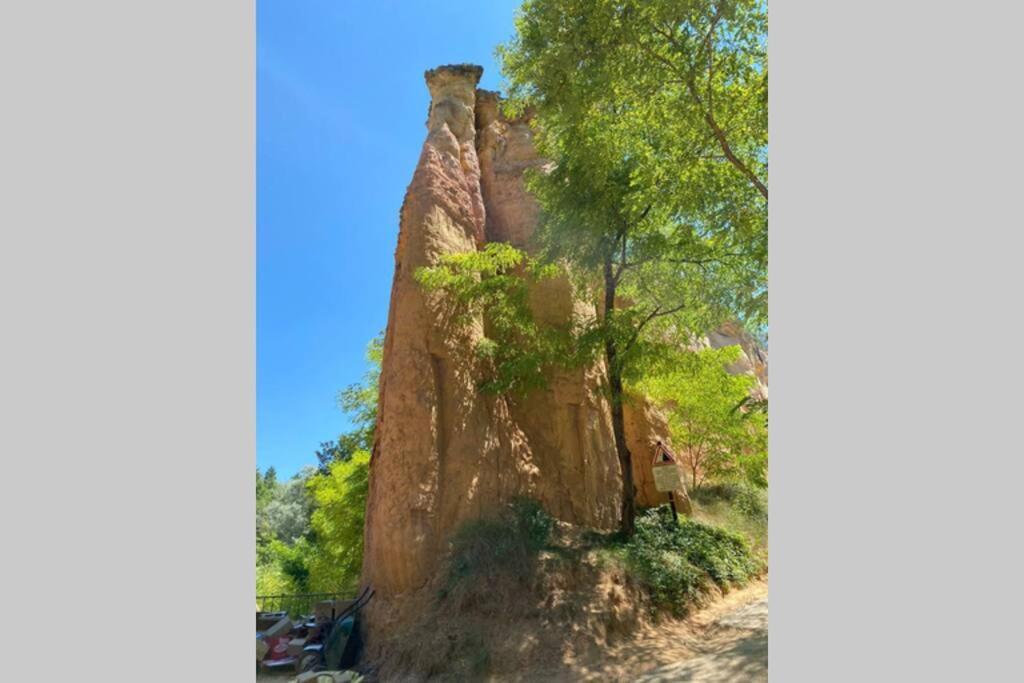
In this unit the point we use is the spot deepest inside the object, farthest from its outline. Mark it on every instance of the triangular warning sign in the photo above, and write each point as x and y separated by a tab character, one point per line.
662	455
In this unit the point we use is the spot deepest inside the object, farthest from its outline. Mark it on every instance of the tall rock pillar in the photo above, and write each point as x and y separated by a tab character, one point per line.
425	381
446	452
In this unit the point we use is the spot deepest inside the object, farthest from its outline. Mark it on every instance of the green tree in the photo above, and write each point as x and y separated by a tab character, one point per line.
265	486
282	529
310	528
266	490
653	114
286	515
714	422
337	522
694	72
359	401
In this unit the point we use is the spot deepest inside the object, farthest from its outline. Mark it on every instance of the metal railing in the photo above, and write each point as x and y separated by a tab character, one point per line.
298	604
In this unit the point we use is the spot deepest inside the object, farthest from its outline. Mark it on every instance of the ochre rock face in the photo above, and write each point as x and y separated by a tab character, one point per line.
645	426
427	407
506	151
445	452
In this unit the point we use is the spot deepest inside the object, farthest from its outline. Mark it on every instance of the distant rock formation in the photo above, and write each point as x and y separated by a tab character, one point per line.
754	360
445	452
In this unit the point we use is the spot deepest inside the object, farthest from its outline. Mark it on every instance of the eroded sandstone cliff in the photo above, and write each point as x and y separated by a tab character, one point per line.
445	452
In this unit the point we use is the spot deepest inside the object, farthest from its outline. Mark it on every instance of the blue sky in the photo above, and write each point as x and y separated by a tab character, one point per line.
341	107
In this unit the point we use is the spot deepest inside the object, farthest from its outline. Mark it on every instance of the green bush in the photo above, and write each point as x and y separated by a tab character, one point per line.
671	580
676	562
508	542
723	555
531	522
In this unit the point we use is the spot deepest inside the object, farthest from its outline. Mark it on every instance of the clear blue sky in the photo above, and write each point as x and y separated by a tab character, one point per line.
341	108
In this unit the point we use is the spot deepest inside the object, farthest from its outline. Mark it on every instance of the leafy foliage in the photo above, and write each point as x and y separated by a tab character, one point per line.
676	561
495	283
286	513
270	580
337	522
705	405
751	501
359	402
293	559
655	112
282	532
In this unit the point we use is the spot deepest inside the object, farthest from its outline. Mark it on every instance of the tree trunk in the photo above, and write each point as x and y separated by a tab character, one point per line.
628	518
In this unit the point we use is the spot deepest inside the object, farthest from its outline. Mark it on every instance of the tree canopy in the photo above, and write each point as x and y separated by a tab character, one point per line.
717	428
653	115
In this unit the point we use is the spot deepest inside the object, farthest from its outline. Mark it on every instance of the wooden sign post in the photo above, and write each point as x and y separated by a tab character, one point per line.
666	475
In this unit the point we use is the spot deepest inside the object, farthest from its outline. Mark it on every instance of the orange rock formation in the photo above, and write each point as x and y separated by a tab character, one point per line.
445	452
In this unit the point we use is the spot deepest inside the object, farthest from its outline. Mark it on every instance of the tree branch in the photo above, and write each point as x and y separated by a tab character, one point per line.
622	235
657	312
723	142
708	115
619	267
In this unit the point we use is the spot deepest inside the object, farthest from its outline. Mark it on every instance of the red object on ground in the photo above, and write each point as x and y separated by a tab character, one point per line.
278	647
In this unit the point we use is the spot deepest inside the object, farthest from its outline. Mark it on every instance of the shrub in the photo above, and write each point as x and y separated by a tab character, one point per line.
508	542
531	522
294	562
670	579
270	580
677	561
723	555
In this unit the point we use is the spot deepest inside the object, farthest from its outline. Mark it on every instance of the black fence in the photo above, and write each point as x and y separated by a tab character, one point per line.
300	604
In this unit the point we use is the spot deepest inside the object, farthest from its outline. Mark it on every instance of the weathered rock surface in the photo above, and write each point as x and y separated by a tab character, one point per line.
645	427
446	453
506	151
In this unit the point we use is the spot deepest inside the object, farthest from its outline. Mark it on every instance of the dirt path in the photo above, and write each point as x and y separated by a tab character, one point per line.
737	652
727	642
